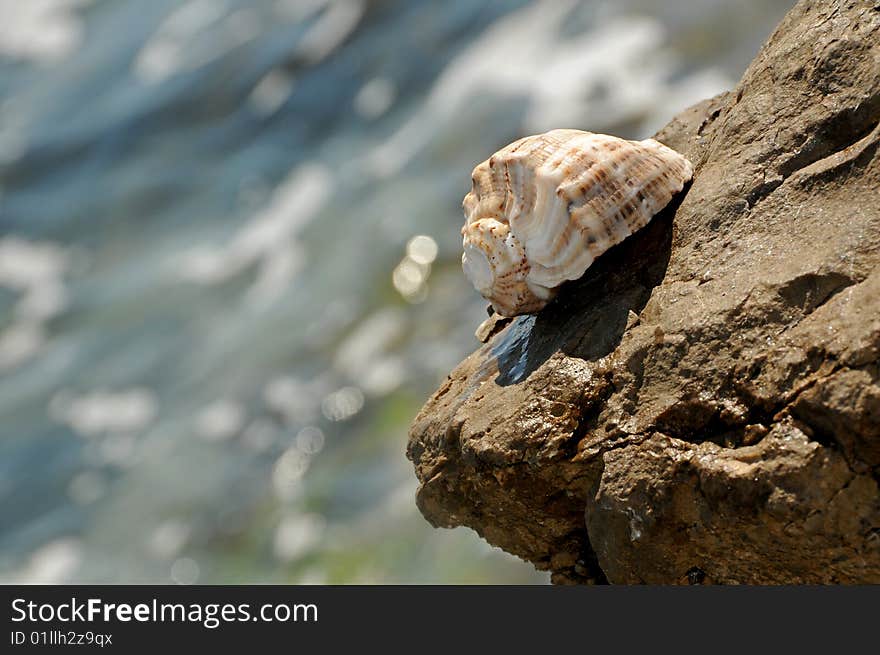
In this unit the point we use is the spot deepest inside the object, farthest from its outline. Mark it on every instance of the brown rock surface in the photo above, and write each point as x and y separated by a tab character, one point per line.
704	405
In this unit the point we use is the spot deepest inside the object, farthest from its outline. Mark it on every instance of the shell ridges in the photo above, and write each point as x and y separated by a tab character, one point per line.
544	207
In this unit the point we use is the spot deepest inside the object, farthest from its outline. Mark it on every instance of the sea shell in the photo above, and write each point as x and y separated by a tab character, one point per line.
544	207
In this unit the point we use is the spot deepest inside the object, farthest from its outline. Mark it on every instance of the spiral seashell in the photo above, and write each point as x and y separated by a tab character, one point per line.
544	207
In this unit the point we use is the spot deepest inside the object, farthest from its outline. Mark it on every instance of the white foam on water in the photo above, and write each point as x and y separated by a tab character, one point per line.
297	535
523	56
20	342
166	51
385	375
34	270
295	400
375	97
278	268
310	440
25	264
101	413
169	538
42	301
369	341
330	30
192	36
221	420
343	404
271	92
41	31
268	238
53	563
287	473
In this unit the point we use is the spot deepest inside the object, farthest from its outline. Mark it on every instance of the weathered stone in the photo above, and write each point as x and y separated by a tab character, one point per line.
704	404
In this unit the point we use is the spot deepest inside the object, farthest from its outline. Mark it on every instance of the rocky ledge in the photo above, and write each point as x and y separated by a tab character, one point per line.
704	405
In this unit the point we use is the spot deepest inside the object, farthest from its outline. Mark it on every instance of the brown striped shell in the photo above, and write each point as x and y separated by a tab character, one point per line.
544	207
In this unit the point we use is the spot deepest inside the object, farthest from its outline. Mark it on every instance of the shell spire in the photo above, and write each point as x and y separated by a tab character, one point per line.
544	207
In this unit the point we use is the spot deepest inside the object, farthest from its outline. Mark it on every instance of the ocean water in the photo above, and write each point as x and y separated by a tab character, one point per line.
229	262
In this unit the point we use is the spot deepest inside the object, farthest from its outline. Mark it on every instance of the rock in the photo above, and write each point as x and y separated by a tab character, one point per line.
490	327
704	404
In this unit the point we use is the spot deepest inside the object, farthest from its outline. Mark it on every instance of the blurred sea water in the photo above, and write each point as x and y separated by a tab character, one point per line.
229	262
